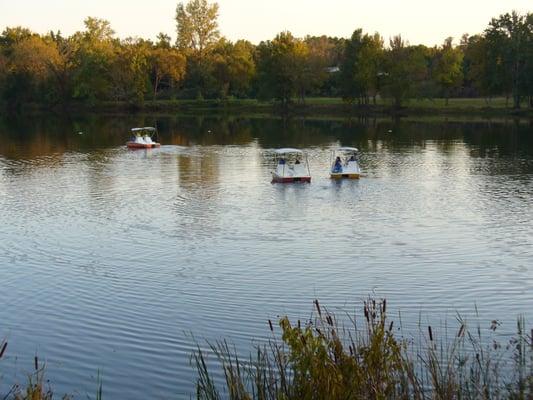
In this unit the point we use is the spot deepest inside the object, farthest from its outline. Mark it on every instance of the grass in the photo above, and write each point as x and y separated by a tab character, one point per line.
324	106
321	359
438	103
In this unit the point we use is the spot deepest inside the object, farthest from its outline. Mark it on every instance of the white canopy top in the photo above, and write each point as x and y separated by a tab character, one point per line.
146	128
347	149
288	150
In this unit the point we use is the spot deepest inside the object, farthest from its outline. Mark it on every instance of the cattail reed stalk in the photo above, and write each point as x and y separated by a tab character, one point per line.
461	331
270	324
430	333
317	304
36	363
3	349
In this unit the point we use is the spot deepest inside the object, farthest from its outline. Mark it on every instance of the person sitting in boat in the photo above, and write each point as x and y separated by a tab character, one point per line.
281	161
297	161
338	165
148	139
352	158
139	139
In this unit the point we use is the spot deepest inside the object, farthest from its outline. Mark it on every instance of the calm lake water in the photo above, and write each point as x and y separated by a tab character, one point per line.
113	260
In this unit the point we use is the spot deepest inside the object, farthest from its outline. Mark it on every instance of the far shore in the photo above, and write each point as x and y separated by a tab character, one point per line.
323	106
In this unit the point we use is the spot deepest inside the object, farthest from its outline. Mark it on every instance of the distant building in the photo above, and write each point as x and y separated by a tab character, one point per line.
332	70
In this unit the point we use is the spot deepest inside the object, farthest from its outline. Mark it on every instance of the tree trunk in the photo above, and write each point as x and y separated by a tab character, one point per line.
156	85
516	101
397	102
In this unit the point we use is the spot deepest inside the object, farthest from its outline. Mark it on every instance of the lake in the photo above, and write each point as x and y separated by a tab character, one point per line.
119	261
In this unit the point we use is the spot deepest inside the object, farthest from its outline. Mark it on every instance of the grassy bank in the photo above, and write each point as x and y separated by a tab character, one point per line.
370	359
317	106
337	107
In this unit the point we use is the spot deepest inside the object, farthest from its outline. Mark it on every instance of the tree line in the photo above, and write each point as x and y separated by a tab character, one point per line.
93	65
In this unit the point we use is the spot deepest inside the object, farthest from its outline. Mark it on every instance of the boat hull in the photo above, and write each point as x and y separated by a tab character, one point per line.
134	145
291	179
345	176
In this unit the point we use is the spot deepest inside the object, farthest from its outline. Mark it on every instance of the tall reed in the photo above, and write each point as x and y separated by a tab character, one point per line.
324	359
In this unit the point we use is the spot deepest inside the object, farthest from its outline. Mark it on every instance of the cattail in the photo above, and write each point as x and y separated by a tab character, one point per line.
3	349
461	329
318	308
270	324
430	333
299	325
391	325
384	305
36	363
351	350
329	320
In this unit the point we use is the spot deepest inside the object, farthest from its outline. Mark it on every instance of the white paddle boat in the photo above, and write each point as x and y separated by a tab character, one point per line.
344	163
292	166
141	138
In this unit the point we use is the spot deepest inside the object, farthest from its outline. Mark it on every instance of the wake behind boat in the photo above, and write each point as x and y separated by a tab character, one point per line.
141	138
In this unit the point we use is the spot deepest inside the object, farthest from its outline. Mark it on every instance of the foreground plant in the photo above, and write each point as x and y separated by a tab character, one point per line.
320	359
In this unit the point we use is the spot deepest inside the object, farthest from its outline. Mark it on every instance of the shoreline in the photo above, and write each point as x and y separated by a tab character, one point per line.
333	107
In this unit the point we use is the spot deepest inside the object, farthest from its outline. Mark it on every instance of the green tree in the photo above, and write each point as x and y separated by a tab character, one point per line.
95	51
482	69
63	69
130	70
168	67
281	68
326	55
163	41
447	68
197	27
30	68
233	67
362	63
12	36
508	35
405	68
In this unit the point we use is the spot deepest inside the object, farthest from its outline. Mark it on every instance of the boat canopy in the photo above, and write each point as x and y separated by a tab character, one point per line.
348	149
146	128
288	150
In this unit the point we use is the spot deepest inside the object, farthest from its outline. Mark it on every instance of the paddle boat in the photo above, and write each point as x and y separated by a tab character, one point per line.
344	163
292	166
141	138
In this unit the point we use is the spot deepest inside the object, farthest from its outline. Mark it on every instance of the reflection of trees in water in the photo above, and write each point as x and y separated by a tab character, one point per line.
198	199
202	167
44	134
208	131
